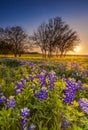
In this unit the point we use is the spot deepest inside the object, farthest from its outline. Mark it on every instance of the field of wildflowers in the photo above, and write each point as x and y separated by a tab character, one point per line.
43	95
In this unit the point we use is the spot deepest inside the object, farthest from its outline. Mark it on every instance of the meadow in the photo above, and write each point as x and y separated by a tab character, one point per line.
43	94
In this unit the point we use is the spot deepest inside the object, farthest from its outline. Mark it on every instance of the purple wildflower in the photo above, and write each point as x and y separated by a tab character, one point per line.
31	77
19	88
32	127
23	81
65	124
70	91
64	77
11	102
42	77
33	87
2	98
22	62
25	112
42	95
83	103
52	76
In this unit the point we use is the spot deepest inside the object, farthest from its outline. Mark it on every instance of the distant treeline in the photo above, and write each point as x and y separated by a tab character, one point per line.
55	36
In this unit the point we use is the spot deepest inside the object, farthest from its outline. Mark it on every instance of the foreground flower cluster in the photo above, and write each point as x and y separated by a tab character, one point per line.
83	103
71	90
43	97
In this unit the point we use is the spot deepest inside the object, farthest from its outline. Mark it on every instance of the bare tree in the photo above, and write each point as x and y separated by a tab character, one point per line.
5	48
60	37
40	38
54	34
16	37
69	40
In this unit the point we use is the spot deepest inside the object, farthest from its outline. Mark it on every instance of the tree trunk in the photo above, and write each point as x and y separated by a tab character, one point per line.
48	54
15	55
45	54
61	54
57	53
20	55
42	53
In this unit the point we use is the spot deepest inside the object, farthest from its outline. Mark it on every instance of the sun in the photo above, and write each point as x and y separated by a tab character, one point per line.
77	49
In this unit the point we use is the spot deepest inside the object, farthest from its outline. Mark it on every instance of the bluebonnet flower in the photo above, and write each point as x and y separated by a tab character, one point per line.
11	102
23	81
52	76
84	72
22	62
75	74
43	94
62	66
65	124
83	103
80	85
2	98
31	64
33	86
31	77
70	91
63	77
25	113
19	88
42	77
32	127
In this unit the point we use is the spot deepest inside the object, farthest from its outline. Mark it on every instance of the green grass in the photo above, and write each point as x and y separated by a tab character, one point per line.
69	58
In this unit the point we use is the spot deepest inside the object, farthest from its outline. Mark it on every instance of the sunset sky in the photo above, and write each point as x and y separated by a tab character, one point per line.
31	13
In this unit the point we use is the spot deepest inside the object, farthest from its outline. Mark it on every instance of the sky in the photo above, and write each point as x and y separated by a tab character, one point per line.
31	13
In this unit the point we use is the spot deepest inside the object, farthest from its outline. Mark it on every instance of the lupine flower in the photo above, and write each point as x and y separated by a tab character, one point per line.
63	77
52	76
70	91
31	77
25	112
83	103
33	86
11	102
19	88
65	124
22	62
77	76
31	64
84	72
32	127
42	95
23	81
80	85
42	78
2	98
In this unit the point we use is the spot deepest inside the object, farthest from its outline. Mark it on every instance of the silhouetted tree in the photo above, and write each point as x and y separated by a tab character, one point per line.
69	40
55	35
4	46
40	38
16	37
